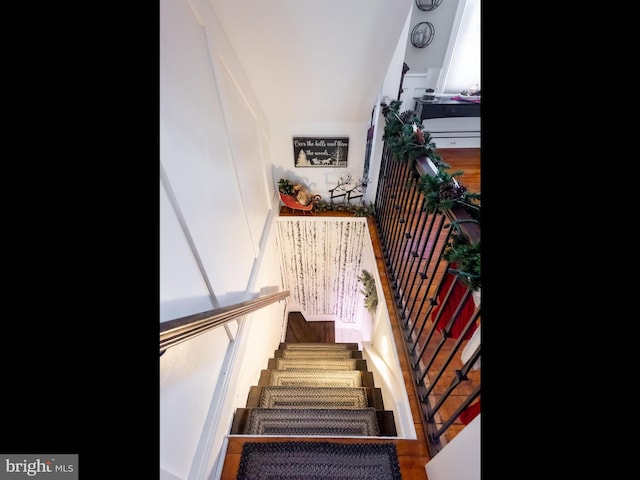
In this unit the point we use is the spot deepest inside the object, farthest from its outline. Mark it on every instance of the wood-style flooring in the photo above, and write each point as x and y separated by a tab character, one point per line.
413	455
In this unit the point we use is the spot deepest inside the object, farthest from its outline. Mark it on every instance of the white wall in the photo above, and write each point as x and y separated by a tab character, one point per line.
460	458
203	381
319	179
420	60
216	210
428	65
188	375
383	361
209	159
260	335
183	289
311	61
331	62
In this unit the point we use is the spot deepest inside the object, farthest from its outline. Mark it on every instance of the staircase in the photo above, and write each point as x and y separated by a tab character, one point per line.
315	389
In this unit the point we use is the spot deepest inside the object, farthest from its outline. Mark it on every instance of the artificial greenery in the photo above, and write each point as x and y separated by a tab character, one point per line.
405	137
359	210
465	255
442	192
286	187
369	291
363	209
407	141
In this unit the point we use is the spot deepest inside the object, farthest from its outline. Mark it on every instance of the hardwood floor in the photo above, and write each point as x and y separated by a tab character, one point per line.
467	160
301	331
412	454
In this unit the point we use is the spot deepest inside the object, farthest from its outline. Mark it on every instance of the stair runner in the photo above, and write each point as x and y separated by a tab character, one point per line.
315	389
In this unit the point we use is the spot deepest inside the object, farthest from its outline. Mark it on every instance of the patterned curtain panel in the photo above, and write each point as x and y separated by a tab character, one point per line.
321	262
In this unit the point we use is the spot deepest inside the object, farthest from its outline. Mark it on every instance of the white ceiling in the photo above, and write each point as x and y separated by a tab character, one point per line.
314	60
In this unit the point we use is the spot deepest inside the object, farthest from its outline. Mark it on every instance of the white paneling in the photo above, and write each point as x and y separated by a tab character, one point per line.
195	152
460	458
183	290
265	149
188	374
244	138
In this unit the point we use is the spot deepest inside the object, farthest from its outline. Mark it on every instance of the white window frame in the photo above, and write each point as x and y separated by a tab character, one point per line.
462	58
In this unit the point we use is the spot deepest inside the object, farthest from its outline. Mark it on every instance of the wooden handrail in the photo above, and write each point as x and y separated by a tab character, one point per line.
181	329
470	229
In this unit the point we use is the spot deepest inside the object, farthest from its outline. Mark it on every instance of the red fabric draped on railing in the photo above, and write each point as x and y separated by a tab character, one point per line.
470	413
454	300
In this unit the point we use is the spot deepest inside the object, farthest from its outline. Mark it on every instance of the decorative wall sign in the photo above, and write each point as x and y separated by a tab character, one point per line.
320	151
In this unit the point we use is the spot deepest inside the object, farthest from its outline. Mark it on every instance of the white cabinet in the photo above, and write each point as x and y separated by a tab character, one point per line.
454	132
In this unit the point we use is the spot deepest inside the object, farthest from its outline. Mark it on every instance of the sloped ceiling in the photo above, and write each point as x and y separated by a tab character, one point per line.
311	60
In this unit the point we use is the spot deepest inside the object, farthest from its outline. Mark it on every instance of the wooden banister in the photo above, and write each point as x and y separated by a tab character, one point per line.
181	329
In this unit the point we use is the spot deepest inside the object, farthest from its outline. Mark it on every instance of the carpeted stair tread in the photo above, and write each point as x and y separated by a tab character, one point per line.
315	389
317	354
316	378
311	364
320	345
297	460
315	422
314	397
321	397
302	421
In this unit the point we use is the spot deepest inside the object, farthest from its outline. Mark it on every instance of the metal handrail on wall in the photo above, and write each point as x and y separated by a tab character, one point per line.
438	313
184	328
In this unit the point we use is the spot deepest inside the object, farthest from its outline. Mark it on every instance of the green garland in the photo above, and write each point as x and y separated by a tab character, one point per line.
407	141
443	193
286	187
466	256
369	291
363	209
405	137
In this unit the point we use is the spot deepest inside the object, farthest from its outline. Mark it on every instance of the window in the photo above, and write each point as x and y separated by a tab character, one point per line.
461	67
